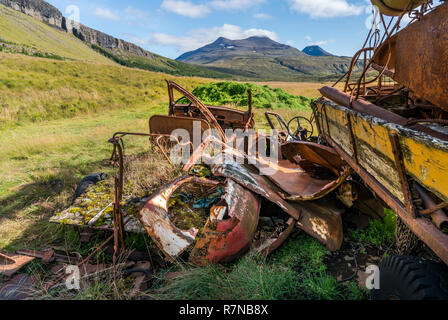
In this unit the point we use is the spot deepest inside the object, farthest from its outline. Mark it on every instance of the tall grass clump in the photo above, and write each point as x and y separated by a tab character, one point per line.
262	96
294	272
379	232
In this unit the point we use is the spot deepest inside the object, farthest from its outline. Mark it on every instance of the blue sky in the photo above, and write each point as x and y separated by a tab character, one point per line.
172	27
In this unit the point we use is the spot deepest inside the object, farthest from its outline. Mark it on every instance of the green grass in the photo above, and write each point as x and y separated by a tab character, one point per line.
379	232
295	271
222	93
33	89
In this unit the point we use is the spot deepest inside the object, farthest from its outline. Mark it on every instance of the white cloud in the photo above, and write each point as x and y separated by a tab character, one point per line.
135	39
130	15
234	4
136	14
319	43
105	14
185	8
308	38
326	8
200	37
192	10
262	16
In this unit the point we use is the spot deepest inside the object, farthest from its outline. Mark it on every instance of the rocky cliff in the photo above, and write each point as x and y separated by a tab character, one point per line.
103	40
47	13
37	9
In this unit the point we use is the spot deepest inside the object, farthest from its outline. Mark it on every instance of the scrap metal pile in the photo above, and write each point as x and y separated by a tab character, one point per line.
220	210
371	147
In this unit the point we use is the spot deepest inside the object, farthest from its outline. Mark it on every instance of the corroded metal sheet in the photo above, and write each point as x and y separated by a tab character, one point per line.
420	54
321	219
222	240
159	124
154	217
373	148
335	123
11	263
202	108
324	156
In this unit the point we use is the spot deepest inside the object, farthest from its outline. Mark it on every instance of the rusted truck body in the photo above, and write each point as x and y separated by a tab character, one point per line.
391	130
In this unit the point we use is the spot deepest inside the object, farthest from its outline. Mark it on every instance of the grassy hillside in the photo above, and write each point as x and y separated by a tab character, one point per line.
35	89
285	68
161	64
19	32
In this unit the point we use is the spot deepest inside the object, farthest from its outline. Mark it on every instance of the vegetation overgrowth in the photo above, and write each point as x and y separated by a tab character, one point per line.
236	93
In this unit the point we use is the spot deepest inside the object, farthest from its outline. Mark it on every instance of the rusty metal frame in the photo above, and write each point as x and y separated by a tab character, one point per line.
435	212
198	104
423	228
118	136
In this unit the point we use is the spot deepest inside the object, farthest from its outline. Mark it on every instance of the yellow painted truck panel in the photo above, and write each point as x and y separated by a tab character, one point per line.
425	157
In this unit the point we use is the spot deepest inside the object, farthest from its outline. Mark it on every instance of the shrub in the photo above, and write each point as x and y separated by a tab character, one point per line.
262	96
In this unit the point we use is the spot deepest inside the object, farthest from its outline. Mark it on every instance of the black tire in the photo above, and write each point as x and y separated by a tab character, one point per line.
87	182
411	278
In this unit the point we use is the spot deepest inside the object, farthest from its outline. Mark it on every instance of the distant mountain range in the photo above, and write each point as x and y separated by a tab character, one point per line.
263	58
255	58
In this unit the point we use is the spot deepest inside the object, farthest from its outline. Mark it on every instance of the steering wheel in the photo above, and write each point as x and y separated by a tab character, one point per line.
300	128
186	108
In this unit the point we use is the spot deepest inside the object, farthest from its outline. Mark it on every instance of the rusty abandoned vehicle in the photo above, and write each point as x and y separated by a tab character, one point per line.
390	127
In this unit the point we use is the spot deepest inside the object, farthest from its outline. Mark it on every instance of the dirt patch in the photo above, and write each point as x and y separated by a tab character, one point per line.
350	263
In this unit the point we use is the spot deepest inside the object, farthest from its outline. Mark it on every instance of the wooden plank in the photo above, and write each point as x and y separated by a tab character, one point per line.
427	162
375	154
338	129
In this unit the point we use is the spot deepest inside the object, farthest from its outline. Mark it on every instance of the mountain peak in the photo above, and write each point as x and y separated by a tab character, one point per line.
258	37
316	51
223	48
221	39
